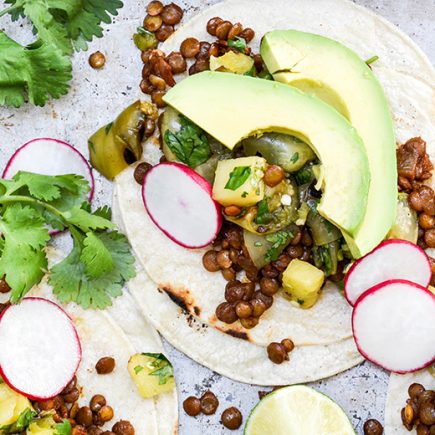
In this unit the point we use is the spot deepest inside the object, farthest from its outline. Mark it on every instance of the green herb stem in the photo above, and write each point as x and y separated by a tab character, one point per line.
9	10
10	199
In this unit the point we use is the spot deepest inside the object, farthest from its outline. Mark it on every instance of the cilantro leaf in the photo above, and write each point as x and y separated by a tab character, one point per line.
71	281
164	369
263	214
95	256
238	43
37	72
238	176
22	262
295	157
104	212
190	144
279	241
86	221
63	428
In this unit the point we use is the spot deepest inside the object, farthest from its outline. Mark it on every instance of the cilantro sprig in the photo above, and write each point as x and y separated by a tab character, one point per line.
237	177
100	261
163	367
42	69
279	241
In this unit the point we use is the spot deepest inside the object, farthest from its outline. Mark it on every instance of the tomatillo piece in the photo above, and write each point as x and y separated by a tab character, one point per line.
12	404
118	144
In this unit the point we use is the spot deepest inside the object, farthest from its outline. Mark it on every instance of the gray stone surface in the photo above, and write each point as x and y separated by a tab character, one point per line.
361	391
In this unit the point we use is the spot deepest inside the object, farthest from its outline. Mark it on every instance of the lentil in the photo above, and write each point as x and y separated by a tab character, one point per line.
226	313
97	402
258	307
209	261
97	60
177	62
373	427
288	344
105	413
223	29
72	396
223	259
190	48
157	82
415	390
249	322
232	418
267	300
234	291
247	34
154	8
140	171
164	32
157	98
244	310
229	274
212	25
204	50
235	31
84	416
105	365
172	14
192	406
145	86
152	23
209	403
277	353
123	427
79	430
269	286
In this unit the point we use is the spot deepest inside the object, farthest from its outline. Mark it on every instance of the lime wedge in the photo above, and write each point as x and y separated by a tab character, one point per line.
298	410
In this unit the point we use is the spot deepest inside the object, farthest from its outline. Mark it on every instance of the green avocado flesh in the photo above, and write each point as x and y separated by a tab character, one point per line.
232	107
326	69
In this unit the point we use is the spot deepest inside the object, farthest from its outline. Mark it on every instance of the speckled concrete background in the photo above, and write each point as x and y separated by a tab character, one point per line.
360	391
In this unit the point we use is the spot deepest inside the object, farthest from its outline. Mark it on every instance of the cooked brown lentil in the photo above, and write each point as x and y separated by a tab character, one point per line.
288	344
212	25
204	50
223	259
229	274
157	98
269	286
172	14
258	307
84	416
105	413
244	310
247	34
189	48
226	313
152	23
223	29
105	365
209	261
154	8
164	32
140	171
373	427
94	430
277	353
97	60
249	322
192	406
235	31
232	418
146	87
209	403
97	402
177	62
79	430
123	427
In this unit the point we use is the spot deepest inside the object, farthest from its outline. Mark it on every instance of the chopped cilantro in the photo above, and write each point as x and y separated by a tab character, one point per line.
100	261
279	241
190	144
138	369
237	43
108	128
263	214
164	369
372	59
63	428
258	244
295	157
238	176
244	194
300	301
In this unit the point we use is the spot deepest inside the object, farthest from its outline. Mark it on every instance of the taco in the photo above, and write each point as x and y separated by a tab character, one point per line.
177	293
120	333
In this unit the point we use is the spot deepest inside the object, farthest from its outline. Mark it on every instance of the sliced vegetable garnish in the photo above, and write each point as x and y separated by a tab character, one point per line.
392	259
40	350
393	326
279	241
179	202
238	176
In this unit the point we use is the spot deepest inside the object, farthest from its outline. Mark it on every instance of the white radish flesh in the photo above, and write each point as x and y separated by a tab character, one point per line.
394	326
40	350
179	202
392	259
49	157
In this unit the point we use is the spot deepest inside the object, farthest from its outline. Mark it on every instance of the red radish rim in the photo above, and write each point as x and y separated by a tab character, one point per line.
201	181
382	244
372	290
29	396
11	159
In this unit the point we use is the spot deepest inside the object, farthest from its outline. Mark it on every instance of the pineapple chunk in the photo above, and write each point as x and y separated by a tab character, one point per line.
302	282
239	181
12	404
152	373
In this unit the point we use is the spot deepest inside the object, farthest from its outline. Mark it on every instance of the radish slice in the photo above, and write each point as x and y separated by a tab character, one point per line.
392	259
394	326
40	350
179	202
49	157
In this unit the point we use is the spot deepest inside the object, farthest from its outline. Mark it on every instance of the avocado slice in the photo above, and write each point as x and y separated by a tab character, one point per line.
231	107
330	71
